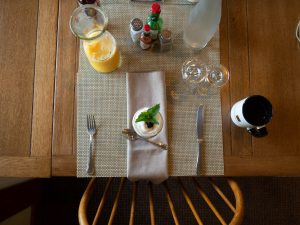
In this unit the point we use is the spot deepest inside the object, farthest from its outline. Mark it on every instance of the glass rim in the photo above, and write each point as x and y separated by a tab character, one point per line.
193	59
221	68
83	7
112	52
190	61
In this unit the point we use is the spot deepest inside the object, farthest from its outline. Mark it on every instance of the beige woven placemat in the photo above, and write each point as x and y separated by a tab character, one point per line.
104	95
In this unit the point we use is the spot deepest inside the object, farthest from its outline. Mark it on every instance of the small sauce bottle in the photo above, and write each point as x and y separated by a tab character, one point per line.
154	20
145	40
136	29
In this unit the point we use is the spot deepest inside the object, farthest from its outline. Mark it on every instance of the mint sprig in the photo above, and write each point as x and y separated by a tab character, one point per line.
149	115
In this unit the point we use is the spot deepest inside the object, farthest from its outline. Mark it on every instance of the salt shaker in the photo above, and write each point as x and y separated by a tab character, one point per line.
136	29
165	39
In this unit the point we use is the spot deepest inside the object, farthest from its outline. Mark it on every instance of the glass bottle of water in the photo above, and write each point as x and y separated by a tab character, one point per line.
202	23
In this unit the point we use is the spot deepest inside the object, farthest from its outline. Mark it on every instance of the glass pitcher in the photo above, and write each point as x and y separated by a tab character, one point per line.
202	23
89	22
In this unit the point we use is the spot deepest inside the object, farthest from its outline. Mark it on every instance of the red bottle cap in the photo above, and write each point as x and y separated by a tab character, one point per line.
155	8
146	27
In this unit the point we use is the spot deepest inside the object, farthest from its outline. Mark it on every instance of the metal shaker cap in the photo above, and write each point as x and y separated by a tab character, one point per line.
136	24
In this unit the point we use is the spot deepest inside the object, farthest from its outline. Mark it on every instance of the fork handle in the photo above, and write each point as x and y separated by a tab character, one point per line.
161	145
90	168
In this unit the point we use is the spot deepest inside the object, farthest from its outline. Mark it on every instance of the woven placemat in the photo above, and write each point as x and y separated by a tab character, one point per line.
104	95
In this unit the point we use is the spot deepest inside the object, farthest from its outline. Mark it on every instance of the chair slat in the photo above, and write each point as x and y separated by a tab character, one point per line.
239	202
151	204
133	202
82	215
171	204
189	201
208	202
116	202
102	201
225	199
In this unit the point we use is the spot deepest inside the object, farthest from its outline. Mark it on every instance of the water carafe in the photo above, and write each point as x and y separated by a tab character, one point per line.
202	23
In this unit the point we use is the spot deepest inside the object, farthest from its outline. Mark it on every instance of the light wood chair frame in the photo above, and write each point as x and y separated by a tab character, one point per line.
237	210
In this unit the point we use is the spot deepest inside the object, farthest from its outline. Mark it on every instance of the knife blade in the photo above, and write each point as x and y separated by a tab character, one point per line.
199	125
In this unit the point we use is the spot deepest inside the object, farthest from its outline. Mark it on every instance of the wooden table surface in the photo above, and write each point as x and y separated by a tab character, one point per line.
39	56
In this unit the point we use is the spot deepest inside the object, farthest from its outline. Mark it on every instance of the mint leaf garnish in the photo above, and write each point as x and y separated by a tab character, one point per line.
154	110
149	115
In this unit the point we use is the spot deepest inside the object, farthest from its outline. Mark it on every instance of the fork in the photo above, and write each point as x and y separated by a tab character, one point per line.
132	135
91	129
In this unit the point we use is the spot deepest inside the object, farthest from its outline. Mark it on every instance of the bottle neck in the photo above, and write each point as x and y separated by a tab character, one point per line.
154	16
146	33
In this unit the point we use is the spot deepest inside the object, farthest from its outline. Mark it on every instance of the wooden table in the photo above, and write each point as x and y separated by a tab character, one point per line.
38	58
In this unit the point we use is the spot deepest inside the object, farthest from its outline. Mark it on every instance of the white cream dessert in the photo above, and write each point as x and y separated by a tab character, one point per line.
142	129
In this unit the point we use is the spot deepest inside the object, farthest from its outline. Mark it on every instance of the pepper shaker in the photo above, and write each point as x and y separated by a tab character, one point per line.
165	39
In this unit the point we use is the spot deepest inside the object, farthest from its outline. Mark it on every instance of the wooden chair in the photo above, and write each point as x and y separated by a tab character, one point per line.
237	211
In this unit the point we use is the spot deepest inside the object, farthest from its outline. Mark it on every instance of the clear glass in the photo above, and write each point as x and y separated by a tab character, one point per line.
89	22
193	73
217	76
87	18
199	79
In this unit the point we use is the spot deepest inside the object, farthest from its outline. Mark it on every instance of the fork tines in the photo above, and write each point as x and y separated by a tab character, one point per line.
91	122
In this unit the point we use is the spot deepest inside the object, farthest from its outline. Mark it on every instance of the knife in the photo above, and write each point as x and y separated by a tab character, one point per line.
199	125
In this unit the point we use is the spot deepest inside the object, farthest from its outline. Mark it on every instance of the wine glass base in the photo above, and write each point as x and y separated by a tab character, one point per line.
180	91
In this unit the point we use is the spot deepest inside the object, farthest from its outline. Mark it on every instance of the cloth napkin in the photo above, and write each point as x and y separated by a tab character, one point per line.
146	161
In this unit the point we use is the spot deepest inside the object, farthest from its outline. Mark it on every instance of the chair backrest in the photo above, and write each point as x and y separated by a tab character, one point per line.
210	192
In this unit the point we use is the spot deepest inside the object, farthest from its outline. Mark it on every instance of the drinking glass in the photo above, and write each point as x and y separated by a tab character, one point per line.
89	22
194	72
217	76
202	78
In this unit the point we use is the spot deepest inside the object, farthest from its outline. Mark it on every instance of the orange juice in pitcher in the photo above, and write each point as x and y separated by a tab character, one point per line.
102	52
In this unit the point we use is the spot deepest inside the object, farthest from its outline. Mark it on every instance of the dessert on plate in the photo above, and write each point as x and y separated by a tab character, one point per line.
147	121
